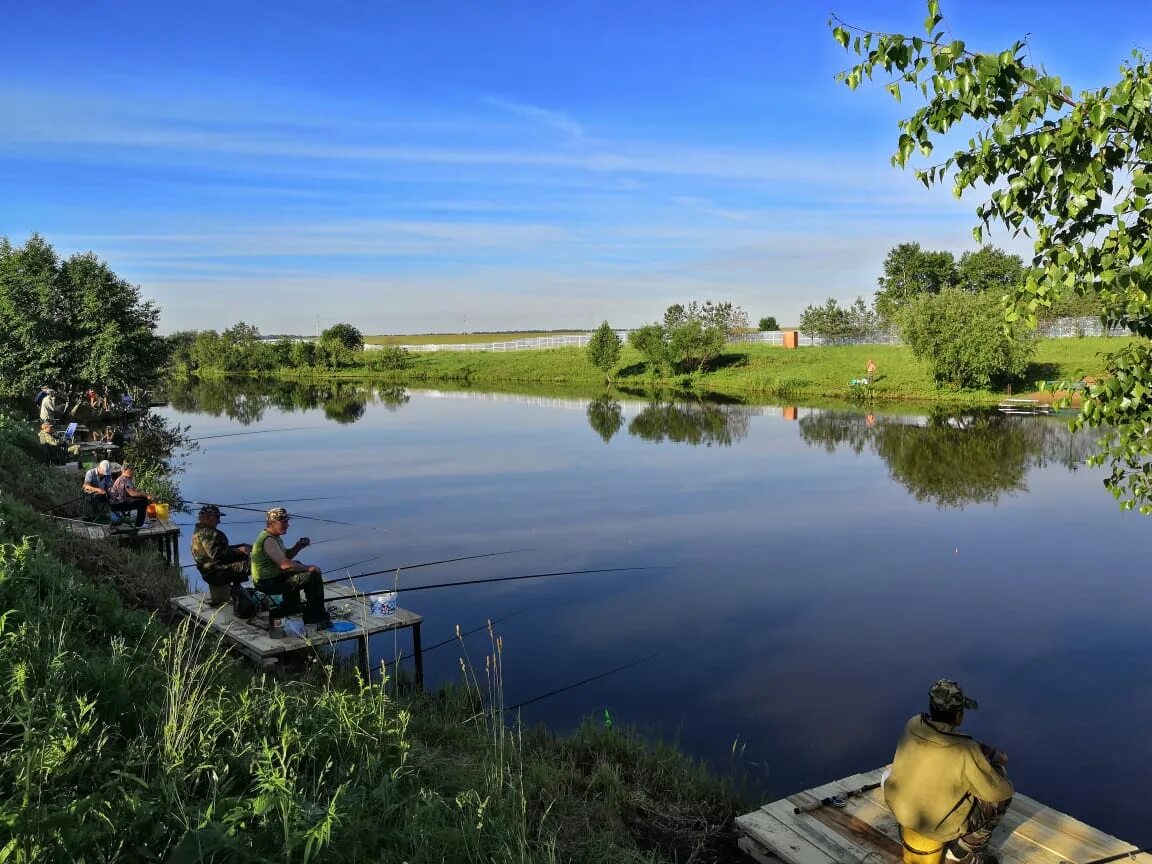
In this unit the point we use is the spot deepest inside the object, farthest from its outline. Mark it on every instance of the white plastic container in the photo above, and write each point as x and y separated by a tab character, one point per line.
384	604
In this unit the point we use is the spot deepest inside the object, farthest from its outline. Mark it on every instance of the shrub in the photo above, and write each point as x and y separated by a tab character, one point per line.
961	337
391	358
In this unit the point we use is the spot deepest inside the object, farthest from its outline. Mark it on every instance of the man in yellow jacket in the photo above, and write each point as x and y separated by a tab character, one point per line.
947	789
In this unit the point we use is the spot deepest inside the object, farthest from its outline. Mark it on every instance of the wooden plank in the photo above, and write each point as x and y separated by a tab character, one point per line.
782	841
757	852
252	635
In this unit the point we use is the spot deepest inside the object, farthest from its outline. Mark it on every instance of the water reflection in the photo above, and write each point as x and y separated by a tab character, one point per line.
605	416
695	422
952	459
246	400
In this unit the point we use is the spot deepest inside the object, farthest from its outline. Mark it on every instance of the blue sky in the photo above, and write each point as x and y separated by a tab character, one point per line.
440	166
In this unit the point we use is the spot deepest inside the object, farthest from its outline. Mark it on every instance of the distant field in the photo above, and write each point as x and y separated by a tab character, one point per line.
464	338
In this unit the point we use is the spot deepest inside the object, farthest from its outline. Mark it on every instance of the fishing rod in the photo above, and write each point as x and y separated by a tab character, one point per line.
459	636
317	543
416	566
841	800
300	516
276	501
52	510
253	432
582	682
1119	857
509	578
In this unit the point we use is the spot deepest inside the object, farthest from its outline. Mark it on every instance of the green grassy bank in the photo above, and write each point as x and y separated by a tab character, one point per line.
125	737
754	370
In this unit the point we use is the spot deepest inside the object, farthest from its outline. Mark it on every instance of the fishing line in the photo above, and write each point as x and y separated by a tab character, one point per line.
314	543
276	501
582	682
253	432
417	566
301	516
512	578
452	639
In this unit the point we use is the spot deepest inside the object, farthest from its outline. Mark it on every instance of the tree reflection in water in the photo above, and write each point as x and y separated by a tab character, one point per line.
685	421
953	459
605	416
246	399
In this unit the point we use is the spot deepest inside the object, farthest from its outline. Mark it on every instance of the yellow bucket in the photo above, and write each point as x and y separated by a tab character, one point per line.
162	511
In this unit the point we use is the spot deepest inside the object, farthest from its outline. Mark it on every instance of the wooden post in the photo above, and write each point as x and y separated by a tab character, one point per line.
418	656
362	657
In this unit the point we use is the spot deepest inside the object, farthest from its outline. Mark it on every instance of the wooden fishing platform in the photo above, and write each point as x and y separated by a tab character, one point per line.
159	534
1024	406
863	830
250	637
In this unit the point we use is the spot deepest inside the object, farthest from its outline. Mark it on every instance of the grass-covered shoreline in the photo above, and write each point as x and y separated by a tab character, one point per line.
753	371
125	737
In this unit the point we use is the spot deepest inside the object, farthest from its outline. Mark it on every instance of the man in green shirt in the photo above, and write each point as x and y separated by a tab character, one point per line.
221	564
274	571
945	787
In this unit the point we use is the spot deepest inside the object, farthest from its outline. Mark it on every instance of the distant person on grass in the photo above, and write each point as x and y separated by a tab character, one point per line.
946	789
124	497
222	565
275	572
871	370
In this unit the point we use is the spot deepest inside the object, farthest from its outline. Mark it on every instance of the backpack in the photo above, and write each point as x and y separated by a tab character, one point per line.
245	603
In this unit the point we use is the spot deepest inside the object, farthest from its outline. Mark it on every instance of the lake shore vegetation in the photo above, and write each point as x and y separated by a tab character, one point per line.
130	737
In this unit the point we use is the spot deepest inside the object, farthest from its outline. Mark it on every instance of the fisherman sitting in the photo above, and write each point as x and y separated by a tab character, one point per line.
97	484
275	572
947	790
222	565
124	497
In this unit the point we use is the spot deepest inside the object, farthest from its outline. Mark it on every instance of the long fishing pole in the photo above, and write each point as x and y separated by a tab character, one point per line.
582	682
316	543
253	432
459	636
301	516
276	501
1119	857
836	800
416	566
507	578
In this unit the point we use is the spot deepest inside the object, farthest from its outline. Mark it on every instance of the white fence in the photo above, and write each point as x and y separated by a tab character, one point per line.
1059	328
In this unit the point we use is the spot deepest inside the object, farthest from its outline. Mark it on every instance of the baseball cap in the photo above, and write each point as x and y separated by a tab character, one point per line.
210	510
947	695
277	514
105	467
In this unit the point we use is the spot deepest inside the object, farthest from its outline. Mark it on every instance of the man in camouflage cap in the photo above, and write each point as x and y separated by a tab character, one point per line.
275	571
946	789
222	565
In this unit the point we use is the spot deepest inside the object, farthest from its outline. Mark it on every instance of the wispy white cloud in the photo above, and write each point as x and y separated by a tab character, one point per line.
557	120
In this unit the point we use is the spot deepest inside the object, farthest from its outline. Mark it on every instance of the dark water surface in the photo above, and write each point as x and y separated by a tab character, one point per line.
823	568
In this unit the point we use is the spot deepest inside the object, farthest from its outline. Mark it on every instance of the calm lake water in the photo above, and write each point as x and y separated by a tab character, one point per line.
821	568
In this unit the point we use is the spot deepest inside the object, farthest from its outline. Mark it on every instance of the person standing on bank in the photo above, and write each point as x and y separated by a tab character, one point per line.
124	497
221	564
946	789
274	571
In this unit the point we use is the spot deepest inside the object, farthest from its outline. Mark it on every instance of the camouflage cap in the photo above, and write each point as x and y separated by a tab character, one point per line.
278	514
210	510
946	695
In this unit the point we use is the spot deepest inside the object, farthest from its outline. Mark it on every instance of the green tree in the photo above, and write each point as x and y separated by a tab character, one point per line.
909	272
303	354
694	344
768	324
651	341
73	322
963	340
1072	172
989	269
339	345
832	321
604	350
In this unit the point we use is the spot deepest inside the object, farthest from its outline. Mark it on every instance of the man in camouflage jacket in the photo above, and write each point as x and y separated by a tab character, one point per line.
222	565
